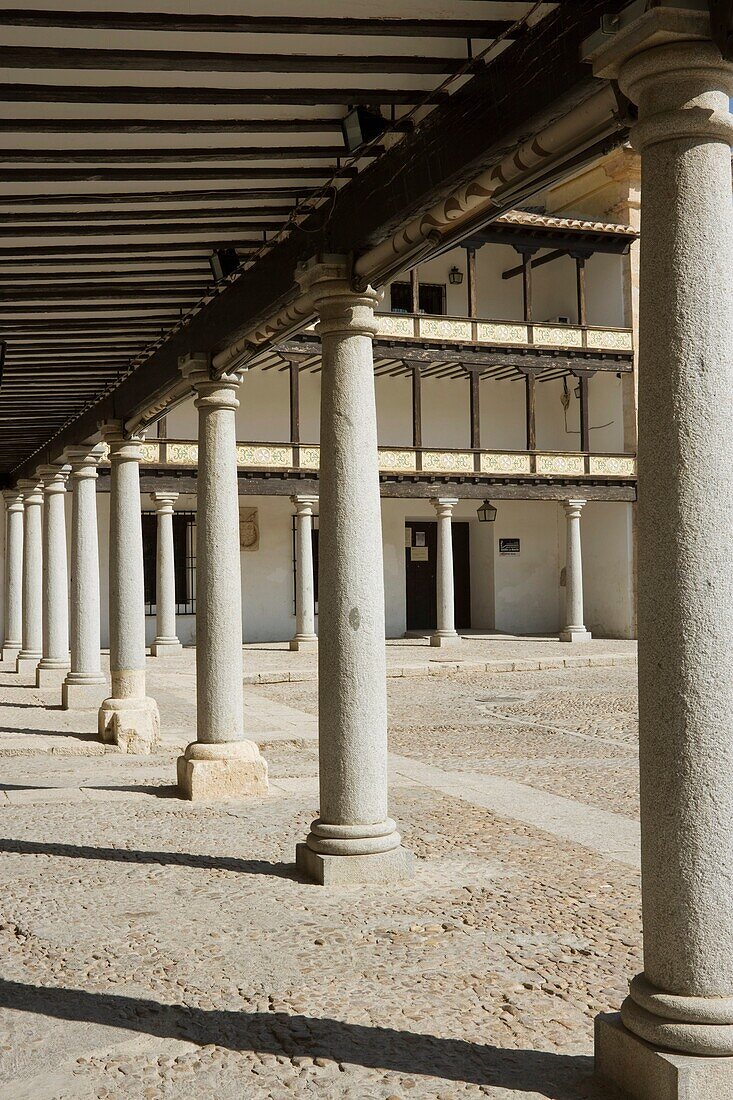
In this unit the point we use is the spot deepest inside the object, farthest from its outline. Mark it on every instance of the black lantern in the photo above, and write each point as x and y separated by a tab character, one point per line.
455	276
487	512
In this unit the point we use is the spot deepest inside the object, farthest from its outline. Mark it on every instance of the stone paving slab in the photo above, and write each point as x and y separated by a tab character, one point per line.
153	948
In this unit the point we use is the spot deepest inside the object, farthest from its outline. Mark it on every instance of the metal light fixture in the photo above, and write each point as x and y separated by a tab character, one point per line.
455	276
487	512
223	262
362	124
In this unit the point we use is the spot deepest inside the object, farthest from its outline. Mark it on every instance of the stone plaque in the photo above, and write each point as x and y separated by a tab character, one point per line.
249	529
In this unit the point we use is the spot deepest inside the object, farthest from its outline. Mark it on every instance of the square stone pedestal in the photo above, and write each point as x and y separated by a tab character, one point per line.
50	677
10	655
440	641
26	667
165	649
393	866
641	1072
575	636
304	645
222	772
82	696
132	724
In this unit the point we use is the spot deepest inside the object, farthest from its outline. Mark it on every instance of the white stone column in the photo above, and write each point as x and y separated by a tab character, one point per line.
54	664
128	718
32	599
13	639
353	839
574	630
221	763
683	1002
85	686
305	608
445	633
166	641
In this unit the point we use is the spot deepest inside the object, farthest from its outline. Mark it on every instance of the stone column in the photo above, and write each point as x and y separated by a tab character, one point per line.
574	630
221	763
166	642
54	664
305	611
353	840
683	1002
84	686
445	633
13	639
32	599
128	717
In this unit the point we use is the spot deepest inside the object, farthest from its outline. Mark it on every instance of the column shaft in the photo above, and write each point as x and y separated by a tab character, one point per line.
683	1001
221	763
84	686
166	642
574	630
128	718
305	613
32	599
54	664
13	639
353	839
445	633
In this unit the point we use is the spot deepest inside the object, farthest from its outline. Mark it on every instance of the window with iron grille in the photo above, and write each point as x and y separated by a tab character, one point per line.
184	561
431	298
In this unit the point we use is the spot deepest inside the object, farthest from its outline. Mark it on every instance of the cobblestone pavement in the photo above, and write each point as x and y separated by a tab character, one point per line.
151	948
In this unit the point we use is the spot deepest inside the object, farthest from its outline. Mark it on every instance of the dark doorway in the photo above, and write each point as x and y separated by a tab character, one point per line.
421	545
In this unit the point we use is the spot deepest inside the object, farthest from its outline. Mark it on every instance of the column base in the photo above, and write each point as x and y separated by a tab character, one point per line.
27	663
395	865
444	638
10	653
85	693
222	772
165	647
51	676
304	643
644	1072
575	635
132	723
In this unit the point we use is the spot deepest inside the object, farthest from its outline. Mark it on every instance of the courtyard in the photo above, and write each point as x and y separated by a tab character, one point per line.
158	948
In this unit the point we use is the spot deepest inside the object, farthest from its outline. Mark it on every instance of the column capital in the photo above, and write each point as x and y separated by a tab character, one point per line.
573	507
31	490
304	505
122	446
665	62
444	505
164	501
54	477
13	500
211	391
341	309
84	459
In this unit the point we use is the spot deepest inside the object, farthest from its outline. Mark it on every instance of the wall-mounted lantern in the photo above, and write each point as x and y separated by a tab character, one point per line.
455	276
487	512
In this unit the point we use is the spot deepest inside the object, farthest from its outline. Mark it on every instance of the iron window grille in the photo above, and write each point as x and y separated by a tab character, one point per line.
184	561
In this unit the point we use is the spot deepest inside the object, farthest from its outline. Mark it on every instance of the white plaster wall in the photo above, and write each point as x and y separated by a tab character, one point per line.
527	584
445	412
394	411
502	415
606	533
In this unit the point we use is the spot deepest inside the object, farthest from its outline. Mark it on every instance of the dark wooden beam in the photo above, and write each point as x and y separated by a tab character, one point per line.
530	409
539	261
109	125
416	380
414	290
114	217
581	290
236	97
584	413
188	154
200	61
114	250
471	285
32	174
294	373
188	23
136	198
122	229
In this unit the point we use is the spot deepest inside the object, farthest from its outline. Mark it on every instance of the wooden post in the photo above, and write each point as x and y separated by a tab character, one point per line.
527	285
474	378
295	411
580	279
416	413
415	289
471	287
530	392
162	427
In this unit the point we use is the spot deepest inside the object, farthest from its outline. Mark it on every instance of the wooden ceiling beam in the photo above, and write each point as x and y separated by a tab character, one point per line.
115	251
179	229
235	97
254	24
190	155
170	125
101	175
151	216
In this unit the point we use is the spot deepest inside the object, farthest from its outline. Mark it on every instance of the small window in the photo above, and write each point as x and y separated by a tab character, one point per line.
184	561
431	298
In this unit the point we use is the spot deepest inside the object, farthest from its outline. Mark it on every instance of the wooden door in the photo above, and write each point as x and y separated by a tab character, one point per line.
421	574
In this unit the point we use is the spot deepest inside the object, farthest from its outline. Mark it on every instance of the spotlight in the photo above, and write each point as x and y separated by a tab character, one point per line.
223	262
362	124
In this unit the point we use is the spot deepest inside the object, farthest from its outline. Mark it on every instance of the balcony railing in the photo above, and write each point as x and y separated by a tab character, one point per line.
466	330
409	461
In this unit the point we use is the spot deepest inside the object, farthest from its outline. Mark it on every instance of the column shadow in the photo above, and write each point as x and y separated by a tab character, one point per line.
554	1076
161	859
21	731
